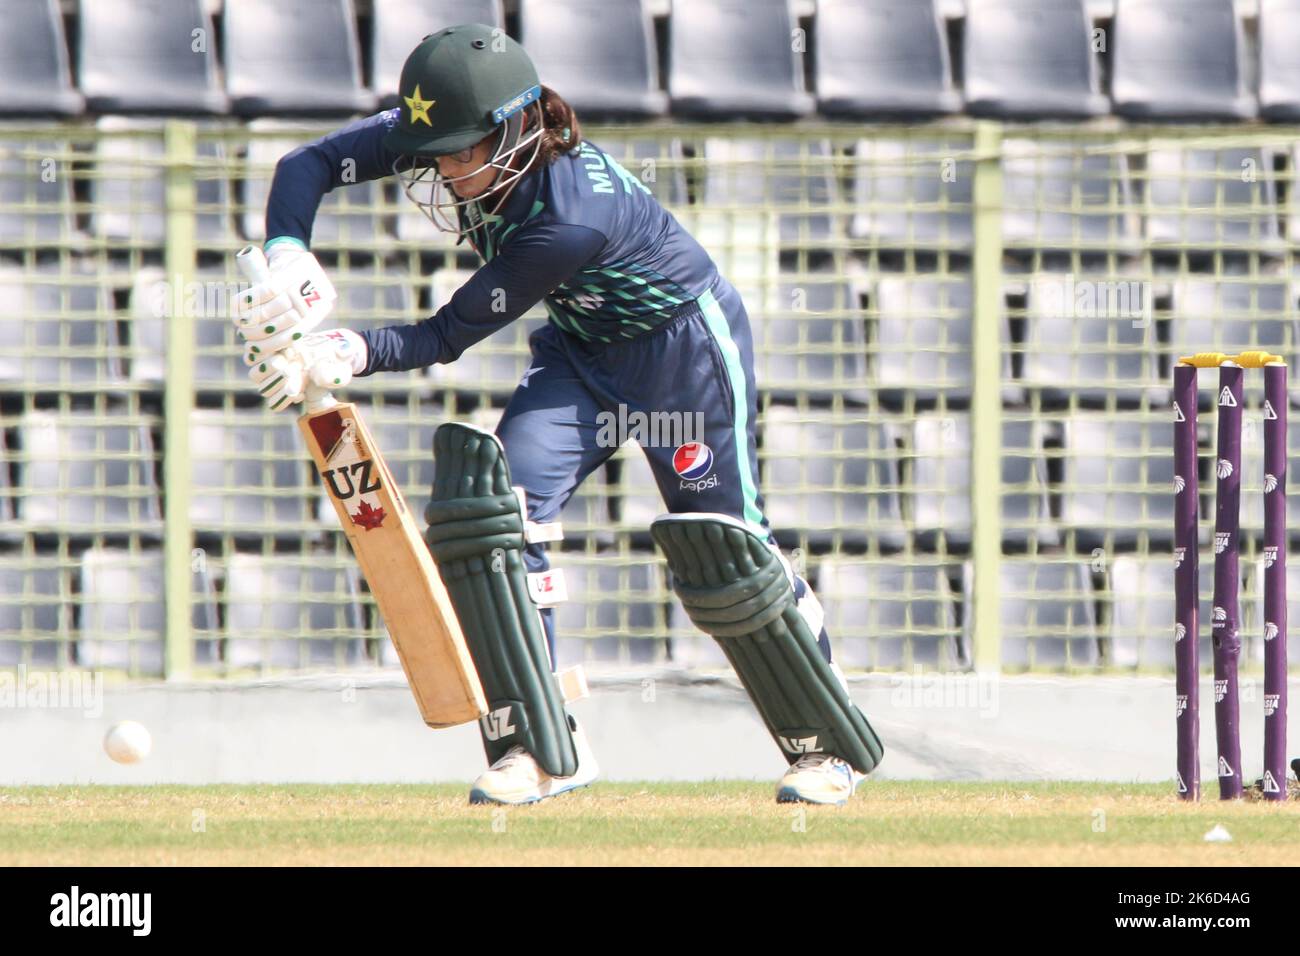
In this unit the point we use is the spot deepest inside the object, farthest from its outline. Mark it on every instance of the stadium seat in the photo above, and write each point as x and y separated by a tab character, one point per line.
1064	201
634	494
830	479
1091	338
598	54
250	473
809	339
616	612
346	217
1118	472
294	57
732	59
1208	199
1279	60
656	160
1233	316
373	297
398	27
1179	59
689	646
292	612
921	339
1028	59
936	485
25	165
1141	618
205	303
34	75
122	619
1048	614
144	56
889	617
790	178
35	611
56	330
85	473
127	191
7	527
912	193
495	364
882	58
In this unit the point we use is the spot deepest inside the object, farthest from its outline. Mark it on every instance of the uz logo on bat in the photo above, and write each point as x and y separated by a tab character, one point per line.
363	471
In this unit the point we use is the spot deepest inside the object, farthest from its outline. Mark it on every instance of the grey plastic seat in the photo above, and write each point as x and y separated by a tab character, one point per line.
657	161
293	612
56	329
1057	201
217	352
1091	337
1199	197
889	617
903	199
1118	472
792	178
882	58
85	472
616	612
250	473
1233	317
294	57
811	339
1141	629
495	364
734	58
599	53
22	163
1179	59
128	193
922	336
937	482
140	56
35	612
34	74
1048	614
123	617
1031	59
398	27
830	478
1279	60
373	297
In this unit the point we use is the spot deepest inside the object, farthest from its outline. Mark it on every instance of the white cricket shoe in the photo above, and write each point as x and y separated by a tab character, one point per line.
518	778
818	778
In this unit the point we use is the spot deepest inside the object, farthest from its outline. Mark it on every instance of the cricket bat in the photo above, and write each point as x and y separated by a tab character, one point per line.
388	546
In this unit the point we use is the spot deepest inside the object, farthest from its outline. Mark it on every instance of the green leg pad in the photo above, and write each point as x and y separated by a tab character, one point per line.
476	537
734	587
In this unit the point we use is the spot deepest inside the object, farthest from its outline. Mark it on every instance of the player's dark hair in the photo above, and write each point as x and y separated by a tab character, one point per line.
563	131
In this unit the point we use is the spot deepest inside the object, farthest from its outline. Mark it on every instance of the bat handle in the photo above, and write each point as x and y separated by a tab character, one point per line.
252	263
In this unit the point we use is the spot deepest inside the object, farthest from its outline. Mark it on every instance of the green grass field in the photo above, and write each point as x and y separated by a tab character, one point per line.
637	824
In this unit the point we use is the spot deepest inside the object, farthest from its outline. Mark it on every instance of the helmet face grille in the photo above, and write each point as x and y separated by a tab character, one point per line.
435	196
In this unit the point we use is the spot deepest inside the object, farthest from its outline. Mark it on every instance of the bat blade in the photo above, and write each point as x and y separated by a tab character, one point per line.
397	566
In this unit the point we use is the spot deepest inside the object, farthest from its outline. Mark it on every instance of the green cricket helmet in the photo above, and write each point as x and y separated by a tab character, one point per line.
458	87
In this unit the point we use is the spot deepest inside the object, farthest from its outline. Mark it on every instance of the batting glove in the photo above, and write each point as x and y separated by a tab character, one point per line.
290	303
312	366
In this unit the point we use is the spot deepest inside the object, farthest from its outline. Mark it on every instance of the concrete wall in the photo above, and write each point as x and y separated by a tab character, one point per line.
643	725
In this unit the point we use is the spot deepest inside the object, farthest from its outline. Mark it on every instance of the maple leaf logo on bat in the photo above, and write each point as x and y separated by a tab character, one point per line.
368	517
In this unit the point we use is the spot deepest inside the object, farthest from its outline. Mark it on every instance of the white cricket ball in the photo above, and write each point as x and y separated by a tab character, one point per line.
128	742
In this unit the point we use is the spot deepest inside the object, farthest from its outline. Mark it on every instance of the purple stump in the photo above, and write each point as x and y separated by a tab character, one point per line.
1225	629
1275	624
1186	584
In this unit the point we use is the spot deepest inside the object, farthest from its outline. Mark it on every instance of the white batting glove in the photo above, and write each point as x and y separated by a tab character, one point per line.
315	364
294	300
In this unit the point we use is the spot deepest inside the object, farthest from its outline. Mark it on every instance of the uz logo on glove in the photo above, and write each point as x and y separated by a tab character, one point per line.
309	293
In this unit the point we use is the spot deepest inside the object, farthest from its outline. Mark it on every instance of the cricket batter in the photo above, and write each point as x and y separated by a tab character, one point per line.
639	318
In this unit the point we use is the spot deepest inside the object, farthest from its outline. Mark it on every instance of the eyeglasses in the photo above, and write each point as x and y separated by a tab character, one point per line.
462	157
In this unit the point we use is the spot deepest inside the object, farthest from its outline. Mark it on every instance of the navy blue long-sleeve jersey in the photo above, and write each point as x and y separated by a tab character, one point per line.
581	234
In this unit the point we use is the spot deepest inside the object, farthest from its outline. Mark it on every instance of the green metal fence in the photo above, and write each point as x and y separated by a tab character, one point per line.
964	334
